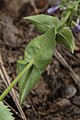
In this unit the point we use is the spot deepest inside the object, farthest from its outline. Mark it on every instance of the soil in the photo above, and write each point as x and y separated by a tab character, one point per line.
55	96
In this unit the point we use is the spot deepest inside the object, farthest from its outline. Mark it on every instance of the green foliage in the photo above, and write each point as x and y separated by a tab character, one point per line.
40	50
43	22
5	113
71	6
63	34
66	38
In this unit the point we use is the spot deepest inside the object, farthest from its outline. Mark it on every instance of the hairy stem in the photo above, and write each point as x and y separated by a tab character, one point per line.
4	94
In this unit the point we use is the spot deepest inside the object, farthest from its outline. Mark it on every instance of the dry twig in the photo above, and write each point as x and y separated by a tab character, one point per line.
72	73
6	79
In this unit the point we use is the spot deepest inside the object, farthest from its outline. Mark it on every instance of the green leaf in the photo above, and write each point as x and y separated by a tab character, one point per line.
66	38
43	22
21	64
31	81
40	50
28	80
5	113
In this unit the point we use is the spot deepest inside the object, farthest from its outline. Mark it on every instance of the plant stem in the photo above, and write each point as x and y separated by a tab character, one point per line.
4	94
64	20
66	17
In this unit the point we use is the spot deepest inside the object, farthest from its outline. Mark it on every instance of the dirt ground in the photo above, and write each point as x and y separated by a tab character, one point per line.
56	96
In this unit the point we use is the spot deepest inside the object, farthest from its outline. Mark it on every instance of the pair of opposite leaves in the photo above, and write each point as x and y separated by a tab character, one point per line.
41	49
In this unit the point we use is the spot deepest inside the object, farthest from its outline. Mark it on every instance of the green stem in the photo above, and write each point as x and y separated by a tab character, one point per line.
4	94
64	20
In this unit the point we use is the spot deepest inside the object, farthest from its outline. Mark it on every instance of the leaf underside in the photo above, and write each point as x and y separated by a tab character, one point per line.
5	113
66	38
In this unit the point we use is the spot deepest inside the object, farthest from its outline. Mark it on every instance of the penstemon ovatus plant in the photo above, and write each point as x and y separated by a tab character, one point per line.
38	55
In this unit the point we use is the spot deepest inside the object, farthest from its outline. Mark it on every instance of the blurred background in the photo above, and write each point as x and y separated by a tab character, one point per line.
57	95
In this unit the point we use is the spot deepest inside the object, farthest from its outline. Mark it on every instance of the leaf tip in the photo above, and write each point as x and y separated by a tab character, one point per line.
24	18
73	48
